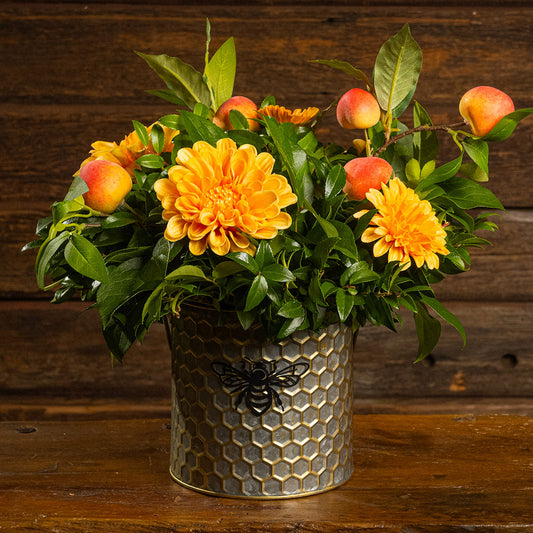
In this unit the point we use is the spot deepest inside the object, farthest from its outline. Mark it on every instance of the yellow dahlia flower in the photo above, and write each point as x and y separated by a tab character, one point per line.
297	116
130	148
405	226
219	196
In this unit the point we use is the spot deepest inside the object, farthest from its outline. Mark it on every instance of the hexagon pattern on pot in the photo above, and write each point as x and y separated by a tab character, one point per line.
299	447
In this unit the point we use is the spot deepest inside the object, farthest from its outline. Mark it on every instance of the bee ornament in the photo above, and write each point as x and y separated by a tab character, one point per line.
257	381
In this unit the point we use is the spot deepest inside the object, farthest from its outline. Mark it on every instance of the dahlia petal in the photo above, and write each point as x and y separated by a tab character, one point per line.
218	241
281	221
381	247
197	231
176	229
198	247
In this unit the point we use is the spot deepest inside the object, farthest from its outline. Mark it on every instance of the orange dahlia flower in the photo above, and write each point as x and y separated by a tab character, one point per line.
297	116
219	196
405	226
130	148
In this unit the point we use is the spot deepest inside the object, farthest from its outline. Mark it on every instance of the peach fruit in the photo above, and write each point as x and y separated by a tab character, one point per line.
240	103
365	173
358	109
108	184
483	107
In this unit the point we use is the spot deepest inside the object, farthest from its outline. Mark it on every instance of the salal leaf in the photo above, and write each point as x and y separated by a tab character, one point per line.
345	67
468	194
478	151
257	292
184	80
83	256
428	329
426	143
142	132
220	73
398	66
507	125
45	254
77	188
445	314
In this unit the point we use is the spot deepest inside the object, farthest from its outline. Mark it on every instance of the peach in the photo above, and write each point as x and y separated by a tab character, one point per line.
483	107
365	173
108	184
358	109
240	103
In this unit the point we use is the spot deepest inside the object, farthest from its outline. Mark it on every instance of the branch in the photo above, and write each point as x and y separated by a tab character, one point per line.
440	127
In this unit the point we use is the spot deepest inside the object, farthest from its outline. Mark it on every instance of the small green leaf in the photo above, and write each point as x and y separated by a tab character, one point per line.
291	309
335	182
119	219
478	151
244	259
45	254
151	161
290	326
344	301
445	314
83	256
157	138
238	120
278	273
505	127
77	188
186	271
142	132
257	292
428	330
468	194
345	67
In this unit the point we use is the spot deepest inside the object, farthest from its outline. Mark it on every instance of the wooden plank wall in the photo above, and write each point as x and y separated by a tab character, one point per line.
68	76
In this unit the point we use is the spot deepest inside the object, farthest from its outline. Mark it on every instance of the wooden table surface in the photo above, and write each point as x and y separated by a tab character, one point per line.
413	473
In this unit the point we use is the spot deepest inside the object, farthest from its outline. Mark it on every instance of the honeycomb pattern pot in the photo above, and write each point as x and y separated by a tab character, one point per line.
253	419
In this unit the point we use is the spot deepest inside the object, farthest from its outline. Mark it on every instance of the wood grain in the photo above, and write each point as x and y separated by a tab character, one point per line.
412	473
58	352
70	76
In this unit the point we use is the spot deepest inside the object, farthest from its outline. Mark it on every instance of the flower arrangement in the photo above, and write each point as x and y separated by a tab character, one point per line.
240	207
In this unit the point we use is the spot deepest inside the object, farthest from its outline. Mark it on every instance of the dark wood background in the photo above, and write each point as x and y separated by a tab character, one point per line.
69	76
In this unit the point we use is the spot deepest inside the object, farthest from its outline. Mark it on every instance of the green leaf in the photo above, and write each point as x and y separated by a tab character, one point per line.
278	273
478	151
142	132
157	137
185	81
186	272
468	194
83	256
426	143
473	172
345	67
428	330
226	269
257	292
445	314
441	174
119	219
505	127
220	73
398	66
201	129
335	182
77	188
290	326
244	259
291	309
238	120
168	95
151	161
45	254
344	301
124	282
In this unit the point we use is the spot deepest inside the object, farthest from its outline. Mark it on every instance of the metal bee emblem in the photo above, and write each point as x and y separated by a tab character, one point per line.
257	382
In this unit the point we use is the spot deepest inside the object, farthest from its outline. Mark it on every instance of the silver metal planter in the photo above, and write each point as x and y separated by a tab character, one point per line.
252	419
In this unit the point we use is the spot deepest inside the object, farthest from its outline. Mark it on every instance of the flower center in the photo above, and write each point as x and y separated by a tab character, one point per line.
220	197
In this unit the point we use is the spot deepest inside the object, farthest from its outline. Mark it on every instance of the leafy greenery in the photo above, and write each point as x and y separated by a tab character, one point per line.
312	274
